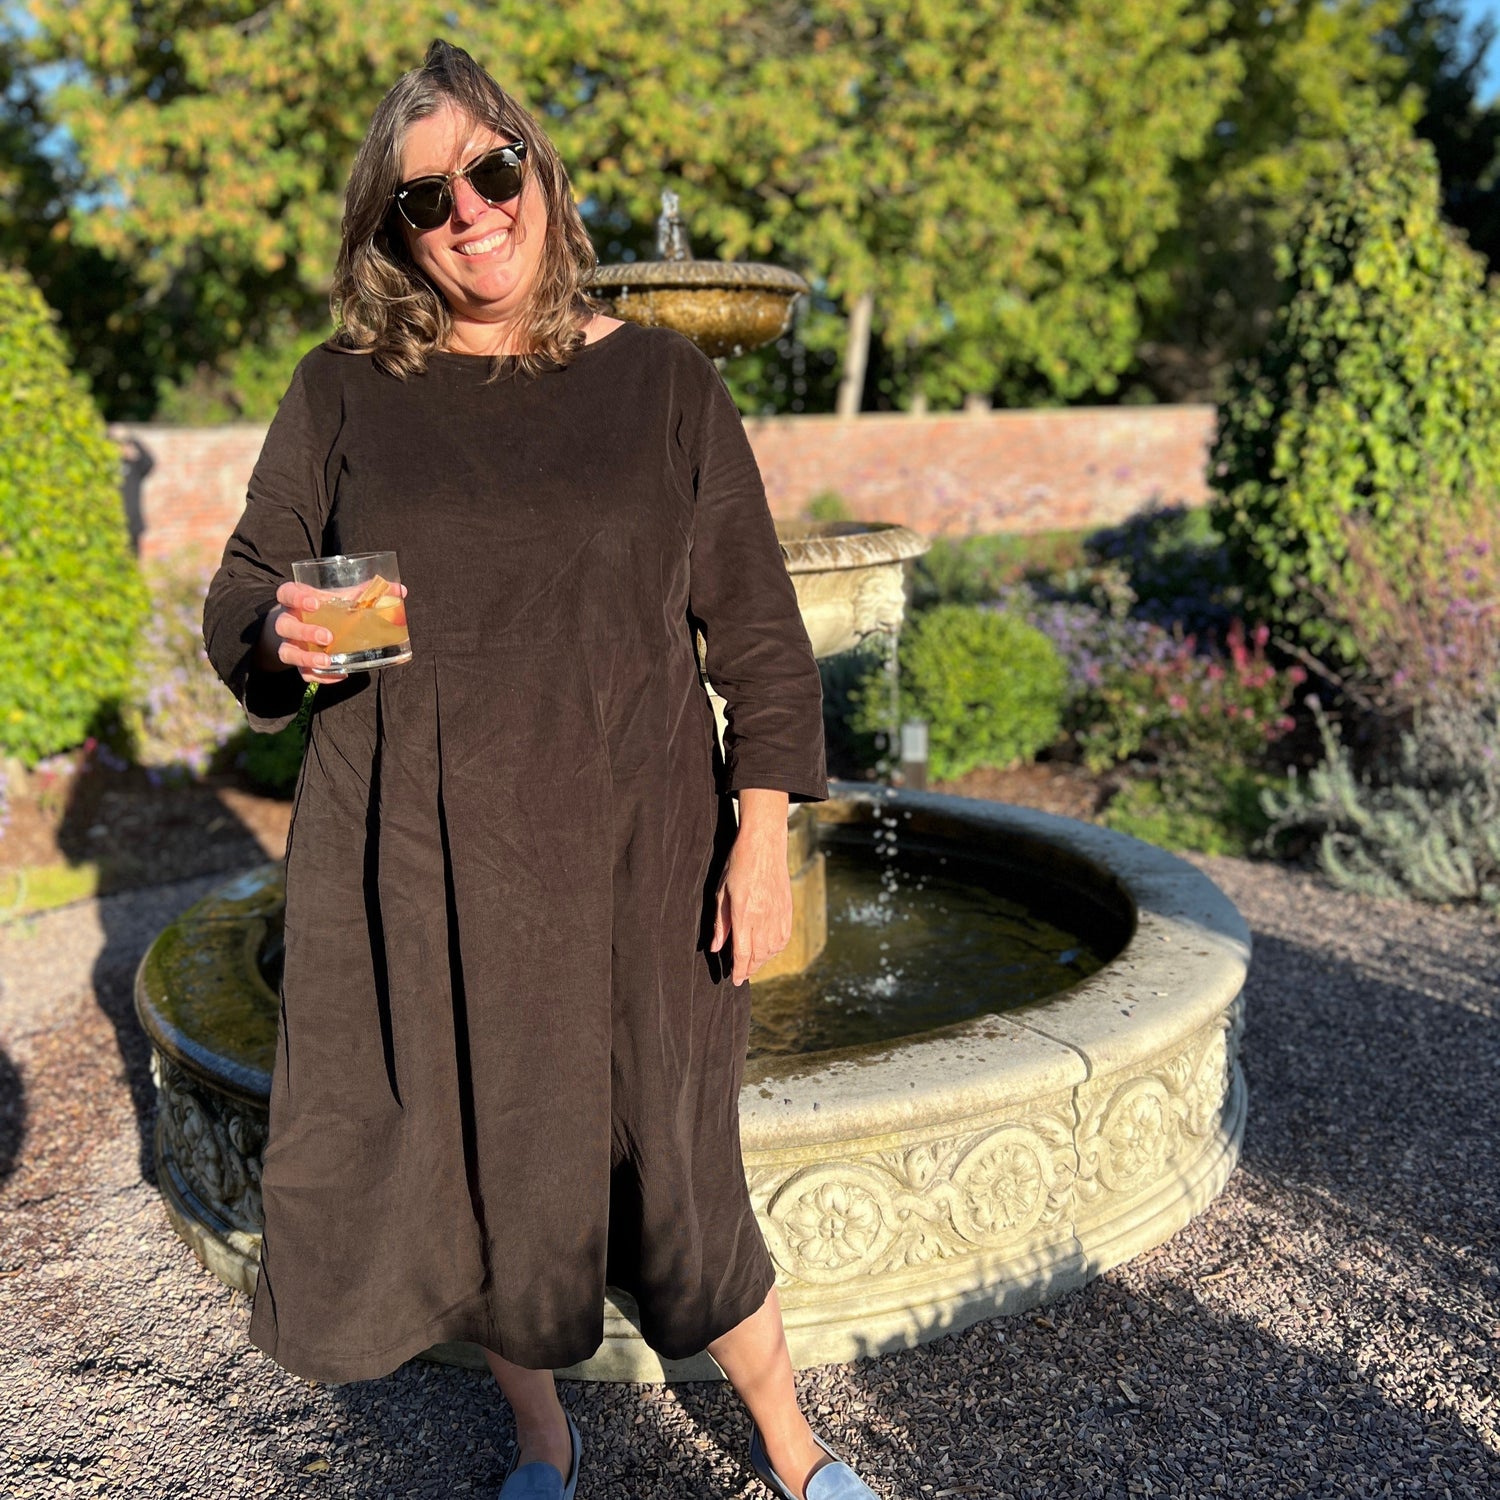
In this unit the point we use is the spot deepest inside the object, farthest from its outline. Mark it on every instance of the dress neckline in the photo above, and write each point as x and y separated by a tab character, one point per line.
511	358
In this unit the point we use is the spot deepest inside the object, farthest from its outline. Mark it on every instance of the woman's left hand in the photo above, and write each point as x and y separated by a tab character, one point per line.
754	897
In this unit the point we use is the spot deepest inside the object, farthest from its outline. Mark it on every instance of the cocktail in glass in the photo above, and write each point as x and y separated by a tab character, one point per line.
362	605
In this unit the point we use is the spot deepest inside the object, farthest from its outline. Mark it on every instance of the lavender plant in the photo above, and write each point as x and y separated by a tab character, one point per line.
1139	689
179	713
1429	827
1423	820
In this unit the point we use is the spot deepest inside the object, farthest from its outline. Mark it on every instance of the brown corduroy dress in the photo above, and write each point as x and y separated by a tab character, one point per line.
508	1066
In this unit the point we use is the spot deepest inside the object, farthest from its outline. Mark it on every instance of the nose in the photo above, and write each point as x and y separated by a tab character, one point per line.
468	206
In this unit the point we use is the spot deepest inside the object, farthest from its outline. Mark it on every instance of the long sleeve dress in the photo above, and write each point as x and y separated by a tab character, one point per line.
508	1067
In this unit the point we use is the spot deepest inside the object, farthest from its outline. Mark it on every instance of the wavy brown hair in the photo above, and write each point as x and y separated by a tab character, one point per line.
383	305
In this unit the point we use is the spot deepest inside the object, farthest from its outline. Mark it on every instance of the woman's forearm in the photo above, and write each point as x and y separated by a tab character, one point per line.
763	812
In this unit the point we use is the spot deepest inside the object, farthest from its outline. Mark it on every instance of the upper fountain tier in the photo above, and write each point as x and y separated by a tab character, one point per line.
725	307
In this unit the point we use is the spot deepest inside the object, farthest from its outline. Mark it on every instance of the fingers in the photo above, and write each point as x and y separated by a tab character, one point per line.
721	918
757	940
300	641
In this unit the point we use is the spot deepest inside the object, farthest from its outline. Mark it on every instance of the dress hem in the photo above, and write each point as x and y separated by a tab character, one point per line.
451	1328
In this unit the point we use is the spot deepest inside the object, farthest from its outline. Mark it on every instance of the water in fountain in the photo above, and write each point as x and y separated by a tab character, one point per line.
922	935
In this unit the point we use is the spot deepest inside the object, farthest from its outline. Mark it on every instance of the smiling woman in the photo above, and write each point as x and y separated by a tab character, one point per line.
521	909
496	275
482	256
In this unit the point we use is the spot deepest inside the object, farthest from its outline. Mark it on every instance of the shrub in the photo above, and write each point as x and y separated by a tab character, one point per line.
271	763
990	687
180	718
1378	389
1203	807
65	564
1429	639
1175	703
851	748
1429	826
974	569
826	506
1137	689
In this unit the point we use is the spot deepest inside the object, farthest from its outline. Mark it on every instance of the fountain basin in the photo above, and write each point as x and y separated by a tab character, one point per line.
906	1188
849	577
724	307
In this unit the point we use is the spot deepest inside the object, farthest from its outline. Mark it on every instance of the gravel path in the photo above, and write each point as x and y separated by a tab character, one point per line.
1330	1327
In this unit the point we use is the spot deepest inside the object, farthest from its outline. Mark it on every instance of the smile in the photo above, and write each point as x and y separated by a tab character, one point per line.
484	246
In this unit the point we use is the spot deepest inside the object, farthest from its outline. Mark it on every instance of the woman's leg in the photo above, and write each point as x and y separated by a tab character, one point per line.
753	1354
541	1428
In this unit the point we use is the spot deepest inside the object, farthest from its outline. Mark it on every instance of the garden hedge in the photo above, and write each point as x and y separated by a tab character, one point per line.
75	600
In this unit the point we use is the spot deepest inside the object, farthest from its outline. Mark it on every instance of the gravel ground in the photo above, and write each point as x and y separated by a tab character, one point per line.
1329	1327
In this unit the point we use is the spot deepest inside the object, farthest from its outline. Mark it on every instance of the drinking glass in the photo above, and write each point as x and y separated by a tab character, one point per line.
361	605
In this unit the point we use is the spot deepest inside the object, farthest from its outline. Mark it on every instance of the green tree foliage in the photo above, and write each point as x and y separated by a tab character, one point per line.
1377	393
77	601
1446	63
96	298
1308	71
997	177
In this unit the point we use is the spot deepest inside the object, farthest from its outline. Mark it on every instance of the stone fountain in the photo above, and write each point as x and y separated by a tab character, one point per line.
724	307
970	1129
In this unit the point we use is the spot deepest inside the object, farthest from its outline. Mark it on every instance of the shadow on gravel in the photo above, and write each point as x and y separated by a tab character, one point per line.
1105	1395
12	1115
1380	1093
1124	1395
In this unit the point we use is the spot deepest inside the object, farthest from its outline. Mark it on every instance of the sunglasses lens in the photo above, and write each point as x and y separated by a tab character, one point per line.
497	178
427	205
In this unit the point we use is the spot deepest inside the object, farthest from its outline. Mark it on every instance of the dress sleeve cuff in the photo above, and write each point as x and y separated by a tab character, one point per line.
271	700
797	788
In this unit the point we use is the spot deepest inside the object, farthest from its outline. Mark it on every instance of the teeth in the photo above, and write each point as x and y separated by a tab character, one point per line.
479	247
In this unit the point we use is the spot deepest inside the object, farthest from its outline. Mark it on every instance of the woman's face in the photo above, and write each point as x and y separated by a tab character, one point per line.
484	260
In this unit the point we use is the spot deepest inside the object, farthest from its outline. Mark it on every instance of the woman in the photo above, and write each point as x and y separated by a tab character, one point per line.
520	912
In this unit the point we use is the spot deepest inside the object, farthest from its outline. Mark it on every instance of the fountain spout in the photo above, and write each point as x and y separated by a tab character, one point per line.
671	233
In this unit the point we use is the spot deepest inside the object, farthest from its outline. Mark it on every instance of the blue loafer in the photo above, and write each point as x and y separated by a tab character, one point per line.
835	1481
541	1481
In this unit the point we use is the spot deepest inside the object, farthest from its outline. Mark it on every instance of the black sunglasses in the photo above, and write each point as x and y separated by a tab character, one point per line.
427	202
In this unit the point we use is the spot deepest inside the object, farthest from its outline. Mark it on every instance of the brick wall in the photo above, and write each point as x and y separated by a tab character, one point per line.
969	472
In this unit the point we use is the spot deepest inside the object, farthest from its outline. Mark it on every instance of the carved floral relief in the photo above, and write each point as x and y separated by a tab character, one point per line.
213	1143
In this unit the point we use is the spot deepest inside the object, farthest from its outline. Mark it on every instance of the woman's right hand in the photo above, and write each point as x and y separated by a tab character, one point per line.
286	642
